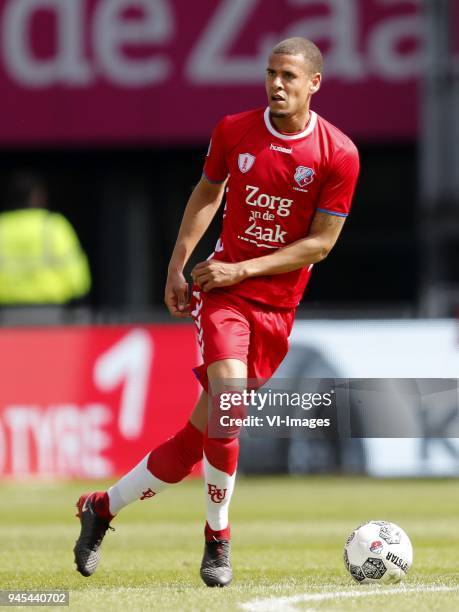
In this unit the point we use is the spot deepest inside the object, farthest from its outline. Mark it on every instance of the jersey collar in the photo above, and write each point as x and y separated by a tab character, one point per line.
309	128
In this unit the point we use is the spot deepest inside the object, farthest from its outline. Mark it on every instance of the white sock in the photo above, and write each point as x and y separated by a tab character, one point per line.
139	483
219	489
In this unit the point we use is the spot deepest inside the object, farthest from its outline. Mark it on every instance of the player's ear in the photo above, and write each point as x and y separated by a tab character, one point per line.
315	83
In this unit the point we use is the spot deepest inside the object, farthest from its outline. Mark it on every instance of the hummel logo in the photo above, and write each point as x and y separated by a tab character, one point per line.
86	506
274	147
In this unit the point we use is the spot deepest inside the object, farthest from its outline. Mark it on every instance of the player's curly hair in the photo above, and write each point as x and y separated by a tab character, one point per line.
302	46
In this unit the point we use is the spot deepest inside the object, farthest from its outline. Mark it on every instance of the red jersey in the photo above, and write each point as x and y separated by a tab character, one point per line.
276	184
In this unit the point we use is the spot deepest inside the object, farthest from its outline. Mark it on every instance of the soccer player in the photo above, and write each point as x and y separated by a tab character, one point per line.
289	178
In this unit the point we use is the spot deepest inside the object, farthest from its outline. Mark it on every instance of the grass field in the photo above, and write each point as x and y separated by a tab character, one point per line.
288	536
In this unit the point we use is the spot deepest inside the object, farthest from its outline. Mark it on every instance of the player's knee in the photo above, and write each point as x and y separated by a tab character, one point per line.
227	410
227	372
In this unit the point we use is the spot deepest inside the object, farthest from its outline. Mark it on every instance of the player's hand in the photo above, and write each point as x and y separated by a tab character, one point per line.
210	274
176	296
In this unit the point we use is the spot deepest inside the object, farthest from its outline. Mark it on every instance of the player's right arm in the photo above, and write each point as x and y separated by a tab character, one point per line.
199	212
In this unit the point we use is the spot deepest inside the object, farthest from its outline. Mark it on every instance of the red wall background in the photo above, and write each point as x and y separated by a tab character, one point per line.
92	401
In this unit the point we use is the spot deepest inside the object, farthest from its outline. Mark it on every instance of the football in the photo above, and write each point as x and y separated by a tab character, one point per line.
378	552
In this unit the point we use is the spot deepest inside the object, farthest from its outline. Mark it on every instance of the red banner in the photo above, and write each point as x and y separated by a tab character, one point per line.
91	402
162	71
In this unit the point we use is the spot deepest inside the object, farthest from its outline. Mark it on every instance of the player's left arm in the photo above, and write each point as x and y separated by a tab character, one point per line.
331	211
324	232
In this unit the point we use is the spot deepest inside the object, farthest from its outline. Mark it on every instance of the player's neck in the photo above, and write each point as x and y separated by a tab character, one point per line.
291	125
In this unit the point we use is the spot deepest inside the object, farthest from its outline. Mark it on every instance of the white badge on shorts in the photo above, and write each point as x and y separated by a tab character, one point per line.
245	162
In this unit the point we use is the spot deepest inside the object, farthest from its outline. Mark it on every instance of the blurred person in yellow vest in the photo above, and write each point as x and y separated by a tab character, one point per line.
41	259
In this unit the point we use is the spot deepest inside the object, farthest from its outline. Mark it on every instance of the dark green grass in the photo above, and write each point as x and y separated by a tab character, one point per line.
288	536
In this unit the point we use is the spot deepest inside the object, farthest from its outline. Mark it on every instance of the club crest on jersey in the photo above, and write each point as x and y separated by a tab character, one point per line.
304	176
245	162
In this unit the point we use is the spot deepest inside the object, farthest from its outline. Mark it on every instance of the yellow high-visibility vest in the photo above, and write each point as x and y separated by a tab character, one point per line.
41	260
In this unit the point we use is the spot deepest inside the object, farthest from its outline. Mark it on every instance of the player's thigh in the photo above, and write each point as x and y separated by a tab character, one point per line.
222	375
229	371
227	375
227	379
269	343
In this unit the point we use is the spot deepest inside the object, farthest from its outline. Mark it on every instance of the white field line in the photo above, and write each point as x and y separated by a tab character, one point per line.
286	604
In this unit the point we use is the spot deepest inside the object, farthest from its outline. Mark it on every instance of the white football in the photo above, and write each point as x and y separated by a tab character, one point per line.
378	552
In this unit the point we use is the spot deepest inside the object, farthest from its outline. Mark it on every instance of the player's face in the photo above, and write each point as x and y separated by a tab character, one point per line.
289	85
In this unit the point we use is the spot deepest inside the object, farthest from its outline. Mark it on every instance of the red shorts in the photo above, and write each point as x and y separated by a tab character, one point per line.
231	327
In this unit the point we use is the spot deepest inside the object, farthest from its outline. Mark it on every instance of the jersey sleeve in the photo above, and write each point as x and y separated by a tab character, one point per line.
215	166
338	190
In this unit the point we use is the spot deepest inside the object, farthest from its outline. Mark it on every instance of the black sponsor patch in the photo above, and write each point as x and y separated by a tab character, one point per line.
374	568
356	573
